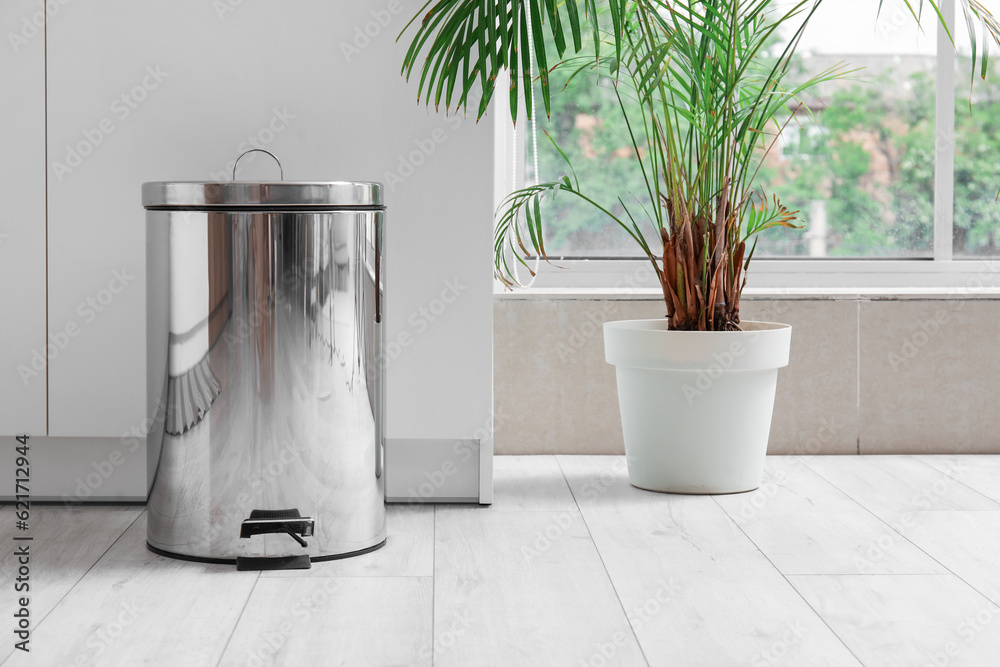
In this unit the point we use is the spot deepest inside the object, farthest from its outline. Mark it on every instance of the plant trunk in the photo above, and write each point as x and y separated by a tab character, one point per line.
702	271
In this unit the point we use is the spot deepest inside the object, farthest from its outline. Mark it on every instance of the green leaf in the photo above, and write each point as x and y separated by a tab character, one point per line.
538	32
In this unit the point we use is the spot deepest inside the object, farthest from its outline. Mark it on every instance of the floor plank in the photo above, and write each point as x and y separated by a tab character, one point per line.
137	608
967	543
907	620
529	484
982	473
66	542
892	487
805	525
524	588
370	621
697	591
408	551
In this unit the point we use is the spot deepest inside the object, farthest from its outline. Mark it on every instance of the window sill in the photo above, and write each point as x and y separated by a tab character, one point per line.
757	294
831	278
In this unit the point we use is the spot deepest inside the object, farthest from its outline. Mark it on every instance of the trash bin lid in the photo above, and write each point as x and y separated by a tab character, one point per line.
278	195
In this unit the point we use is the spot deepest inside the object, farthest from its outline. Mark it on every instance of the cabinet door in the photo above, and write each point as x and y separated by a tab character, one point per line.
22	220
176	91
111	124
96	234
147	92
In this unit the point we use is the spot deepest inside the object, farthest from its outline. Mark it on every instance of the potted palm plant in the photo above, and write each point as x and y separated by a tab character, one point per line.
703	92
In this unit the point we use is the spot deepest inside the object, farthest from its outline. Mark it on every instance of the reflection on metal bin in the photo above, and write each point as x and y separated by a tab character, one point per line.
263	330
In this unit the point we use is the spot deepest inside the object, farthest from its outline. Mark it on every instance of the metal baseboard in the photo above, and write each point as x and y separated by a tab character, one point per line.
438	471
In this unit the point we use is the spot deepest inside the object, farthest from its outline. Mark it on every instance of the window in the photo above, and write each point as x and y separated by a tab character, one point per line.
894	172
976	222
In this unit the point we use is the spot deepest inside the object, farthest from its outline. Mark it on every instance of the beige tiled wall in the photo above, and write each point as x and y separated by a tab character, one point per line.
816	405
930	377
554	393
552	390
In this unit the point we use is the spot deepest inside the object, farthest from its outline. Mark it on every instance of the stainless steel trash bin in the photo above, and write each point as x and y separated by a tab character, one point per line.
263	330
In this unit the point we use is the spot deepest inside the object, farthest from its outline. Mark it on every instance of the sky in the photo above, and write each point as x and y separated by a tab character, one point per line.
843	27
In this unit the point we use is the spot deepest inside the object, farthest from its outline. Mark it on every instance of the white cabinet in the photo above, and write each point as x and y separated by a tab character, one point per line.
22	220
175	91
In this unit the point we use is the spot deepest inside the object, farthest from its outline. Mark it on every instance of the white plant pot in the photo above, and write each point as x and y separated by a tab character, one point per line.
696	405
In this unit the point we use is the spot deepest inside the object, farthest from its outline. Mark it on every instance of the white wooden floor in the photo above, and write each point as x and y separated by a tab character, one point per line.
890	560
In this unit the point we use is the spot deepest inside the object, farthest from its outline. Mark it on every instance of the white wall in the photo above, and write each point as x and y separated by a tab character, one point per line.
22	223
172	91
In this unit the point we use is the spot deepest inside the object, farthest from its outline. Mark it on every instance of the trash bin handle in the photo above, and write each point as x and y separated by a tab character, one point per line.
378	271
281	170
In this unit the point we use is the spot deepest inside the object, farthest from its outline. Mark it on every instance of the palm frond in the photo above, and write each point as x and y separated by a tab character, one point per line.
463	45
706	96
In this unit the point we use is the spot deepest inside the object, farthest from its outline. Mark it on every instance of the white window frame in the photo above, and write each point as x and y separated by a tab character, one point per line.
937	274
